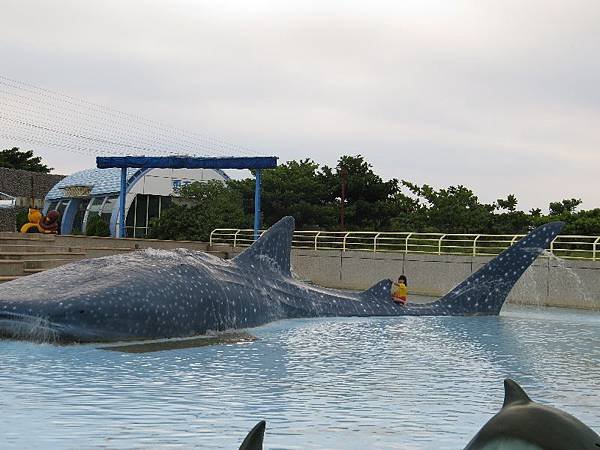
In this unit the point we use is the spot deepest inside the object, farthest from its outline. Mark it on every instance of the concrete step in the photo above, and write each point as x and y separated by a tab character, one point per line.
31	271
24	238
96	252
35	248
22	256
11	268
4	279
44	264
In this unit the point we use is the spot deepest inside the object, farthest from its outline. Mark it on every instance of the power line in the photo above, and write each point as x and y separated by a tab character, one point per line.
48	117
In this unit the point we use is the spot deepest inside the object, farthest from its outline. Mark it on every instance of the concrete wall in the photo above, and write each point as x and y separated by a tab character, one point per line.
548	282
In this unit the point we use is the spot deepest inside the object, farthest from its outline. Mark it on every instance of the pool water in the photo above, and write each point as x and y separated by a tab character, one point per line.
343	383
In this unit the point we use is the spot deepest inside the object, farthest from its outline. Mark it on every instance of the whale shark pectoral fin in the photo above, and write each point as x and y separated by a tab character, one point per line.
272	249
382	289
254	439
513	393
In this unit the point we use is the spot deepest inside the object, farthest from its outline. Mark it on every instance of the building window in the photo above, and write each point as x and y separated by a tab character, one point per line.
107	209
93	210
143	209
79	215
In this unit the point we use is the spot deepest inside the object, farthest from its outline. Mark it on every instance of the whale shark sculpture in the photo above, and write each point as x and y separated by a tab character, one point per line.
524	424
153	294
521	424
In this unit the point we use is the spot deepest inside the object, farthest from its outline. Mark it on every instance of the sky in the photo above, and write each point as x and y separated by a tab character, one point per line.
500	96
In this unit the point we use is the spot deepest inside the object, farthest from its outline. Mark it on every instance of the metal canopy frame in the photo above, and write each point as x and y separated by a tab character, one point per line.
186	162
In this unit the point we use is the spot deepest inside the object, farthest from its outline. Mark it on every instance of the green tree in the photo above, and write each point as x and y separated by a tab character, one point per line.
15	159
453	210
567	206
291	189
371	203
202	208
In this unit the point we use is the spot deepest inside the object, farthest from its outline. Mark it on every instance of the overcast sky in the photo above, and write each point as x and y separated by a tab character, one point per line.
501	96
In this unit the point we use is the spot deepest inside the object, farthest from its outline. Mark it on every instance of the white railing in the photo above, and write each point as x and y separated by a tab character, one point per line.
7	201
563	246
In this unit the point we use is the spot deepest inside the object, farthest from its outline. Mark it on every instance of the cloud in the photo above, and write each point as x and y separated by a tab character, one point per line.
500	96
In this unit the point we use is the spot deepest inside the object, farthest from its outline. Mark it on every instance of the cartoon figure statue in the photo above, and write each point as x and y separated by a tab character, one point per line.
39	223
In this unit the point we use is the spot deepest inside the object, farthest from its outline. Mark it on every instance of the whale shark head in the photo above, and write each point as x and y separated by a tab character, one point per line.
525	424
132	296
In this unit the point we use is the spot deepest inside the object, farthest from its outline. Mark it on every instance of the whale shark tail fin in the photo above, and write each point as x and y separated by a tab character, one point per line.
484	292
254	440
272	249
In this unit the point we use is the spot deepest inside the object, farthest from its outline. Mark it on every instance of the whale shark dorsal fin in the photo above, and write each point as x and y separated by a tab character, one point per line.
272	249
513	393
254	439
382	289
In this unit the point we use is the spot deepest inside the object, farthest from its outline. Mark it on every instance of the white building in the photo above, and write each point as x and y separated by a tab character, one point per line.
96	191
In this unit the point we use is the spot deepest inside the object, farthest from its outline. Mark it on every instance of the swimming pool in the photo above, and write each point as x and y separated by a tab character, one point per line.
343	383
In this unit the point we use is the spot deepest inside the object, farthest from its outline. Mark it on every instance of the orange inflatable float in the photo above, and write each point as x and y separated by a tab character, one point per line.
39	223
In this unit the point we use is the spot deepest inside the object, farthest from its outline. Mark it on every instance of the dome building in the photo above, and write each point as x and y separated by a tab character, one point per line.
80	196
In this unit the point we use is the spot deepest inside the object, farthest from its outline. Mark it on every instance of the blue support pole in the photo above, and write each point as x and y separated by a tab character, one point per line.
257	206
122	196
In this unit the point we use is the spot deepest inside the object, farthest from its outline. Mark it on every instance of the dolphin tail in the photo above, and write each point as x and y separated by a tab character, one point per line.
484	292
272	249
254	440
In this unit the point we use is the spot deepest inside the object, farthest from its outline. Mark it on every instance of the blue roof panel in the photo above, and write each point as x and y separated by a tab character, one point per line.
104	181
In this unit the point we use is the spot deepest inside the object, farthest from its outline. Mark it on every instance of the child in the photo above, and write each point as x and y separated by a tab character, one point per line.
400	291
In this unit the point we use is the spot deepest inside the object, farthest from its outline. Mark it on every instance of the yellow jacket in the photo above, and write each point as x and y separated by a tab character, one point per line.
399	291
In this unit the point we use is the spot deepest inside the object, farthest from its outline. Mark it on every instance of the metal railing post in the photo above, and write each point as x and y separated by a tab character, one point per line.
406	243
440	244
595	248
344	242
316	239
475	244
375	242
210	240
552	245
235	238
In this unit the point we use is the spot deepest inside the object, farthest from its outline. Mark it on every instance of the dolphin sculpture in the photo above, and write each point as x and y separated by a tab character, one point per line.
254	439
155	294
521	424
524	424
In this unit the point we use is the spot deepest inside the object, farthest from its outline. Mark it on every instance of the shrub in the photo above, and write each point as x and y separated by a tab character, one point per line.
97	227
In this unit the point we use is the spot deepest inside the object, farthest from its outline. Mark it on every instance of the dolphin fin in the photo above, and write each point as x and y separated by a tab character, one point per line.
272	249
254	439
513	393
485	291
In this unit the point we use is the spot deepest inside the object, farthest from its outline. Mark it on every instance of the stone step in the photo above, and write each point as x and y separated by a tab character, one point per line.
32	271
36	248
11	268
4	279
96	252
26	236
44	264
22	256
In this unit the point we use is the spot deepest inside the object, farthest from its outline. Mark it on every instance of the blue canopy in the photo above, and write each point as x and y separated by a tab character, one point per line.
187	162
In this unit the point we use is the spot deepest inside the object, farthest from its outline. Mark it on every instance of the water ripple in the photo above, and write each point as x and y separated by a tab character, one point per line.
352	383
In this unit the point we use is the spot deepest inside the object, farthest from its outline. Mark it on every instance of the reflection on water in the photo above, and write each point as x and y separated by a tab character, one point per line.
349	383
